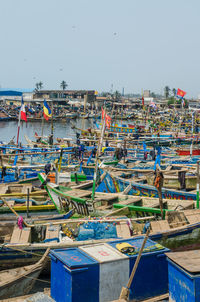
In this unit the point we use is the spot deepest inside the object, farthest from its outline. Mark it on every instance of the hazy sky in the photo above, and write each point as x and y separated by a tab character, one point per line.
93	44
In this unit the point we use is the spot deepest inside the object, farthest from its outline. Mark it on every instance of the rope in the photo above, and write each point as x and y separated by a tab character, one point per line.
20	250
37	279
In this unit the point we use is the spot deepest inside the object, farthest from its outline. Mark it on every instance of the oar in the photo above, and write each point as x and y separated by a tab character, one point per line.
14	212
126	290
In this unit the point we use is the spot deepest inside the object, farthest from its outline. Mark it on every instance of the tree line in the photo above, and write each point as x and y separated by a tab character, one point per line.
40	85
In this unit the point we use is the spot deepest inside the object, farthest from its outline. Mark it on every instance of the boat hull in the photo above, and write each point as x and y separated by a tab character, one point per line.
20	287
187	152
114	184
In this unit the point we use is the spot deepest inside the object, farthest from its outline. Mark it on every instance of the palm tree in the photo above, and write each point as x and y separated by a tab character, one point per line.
40	84
167	91
174	91
63	85
37	86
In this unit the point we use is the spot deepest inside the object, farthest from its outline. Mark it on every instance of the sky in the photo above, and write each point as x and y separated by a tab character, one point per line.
101	45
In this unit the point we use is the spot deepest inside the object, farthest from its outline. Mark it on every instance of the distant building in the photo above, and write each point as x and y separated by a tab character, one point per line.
147	93
148	100
194	103
64	96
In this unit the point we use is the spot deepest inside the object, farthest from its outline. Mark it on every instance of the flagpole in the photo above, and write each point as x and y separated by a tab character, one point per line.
42	124
18	129
51	123
100	143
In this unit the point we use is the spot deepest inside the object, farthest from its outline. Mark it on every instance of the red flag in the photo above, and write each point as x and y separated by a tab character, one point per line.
143	101
181	93
108	121
23	112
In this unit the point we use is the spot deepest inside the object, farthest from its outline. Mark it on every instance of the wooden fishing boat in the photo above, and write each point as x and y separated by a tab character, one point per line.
20	281
113	183
172	181
180	229
185	152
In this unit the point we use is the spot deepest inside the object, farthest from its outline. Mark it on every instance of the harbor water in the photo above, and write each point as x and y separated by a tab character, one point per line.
8	130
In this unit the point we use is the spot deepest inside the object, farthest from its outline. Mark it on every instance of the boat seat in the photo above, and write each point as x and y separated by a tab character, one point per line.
159	226
156	204
25	188
176	219
52	233
21	236
123	230
193	216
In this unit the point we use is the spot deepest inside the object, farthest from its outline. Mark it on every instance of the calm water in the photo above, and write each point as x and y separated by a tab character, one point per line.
61	129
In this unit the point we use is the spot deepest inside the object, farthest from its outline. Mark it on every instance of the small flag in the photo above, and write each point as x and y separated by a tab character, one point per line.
23	111
152	104
183	102
143	101
108	121
46	111
180	93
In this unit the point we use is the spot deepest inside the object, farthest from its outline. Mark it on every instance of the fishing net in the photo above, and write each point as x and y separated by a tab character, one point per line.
96	230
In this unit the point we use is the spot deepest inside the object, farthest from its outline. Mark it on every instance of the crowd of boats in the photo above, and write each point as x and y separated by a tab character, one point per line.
111	183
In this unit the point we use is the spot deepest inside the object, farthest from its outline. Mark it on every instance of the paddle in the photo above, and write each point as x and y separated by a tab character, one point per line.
126	290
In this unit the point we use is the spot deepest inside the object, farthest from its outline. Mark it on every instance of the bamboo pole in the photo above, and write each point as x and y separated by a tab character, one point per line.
14	212
97	155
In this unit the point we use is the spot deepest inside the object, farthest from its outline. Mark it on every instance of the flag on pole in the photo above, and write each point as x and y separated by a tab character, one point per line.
23	111
180	93
46	111
22	116
108	121
143	101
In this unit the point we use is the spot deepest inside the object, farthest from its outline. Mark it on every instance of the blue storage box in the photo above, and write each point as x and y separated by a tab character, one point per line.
184	276
151	277
74	276
91	273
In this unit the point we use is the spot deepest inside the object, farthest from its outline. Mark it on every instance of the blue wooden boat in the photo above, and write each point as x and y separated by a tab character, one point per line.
114	184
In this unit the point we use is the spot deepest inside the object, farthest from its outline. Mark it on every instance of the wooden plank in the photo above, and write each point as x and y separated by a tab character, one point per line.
189	260
193	218
52	232
157	299
123	230
15	235
158	226
25	235
164	226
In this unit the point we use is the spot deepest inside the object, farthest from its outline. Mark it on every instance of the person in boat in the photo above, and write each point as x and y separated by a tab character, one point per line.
3	172
153	154
51	139
145	155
